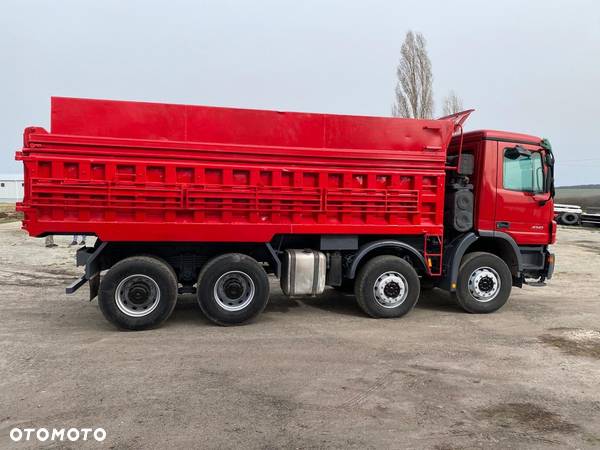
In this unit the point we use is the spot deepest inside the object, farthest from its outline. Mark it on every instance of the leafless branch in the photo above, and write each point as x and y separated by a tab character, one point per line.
452	104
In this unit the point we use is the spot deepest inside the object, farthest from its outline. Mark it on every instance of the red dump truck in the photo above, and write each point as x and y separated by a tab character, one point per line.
208	200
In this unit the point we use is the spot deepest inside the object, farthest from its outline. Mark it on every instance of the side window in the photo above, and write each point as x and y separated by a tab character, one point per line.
524	173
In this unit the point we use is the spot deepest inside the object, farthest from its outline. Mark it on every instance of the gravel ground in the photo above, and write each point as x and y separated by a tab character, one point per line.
308	373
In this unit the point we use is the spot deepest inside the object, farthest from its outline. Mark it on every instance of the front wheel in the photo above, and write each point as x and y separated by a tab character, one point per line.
232	289
484	283
387	286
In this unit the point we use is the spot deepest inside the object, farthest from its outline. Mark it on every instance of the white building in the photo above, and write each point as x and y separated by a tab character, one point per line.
11	187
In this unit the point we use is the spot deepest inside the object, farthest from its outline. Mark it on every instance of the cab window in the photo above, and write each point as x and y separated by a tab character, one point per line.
523	173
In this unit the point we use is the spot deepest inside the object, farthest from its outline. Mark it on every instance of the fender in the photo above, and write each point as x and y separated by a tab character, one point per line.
365	249
506	237
453	254
456	249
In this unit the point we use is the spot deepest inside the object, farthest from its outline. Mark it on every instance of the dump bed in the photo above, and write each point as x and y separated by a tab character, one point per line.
134	171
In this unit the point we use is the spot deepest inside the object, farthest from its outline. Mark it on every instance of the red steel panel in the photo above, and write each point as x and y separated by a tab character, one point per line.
131	171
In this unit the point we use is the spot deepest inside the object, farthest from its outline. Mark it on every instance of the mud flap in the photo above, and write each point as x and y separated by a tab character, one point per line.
88	257
94	286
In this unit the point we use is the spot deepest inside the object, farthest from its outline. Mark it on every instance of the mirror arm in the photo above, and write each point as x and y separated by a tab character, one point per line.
546	200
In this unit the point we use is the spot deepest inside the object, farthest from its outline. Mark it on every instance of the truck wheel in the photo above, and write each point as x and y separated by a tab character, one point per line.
387	286
484	283
232	289
569	219
138	292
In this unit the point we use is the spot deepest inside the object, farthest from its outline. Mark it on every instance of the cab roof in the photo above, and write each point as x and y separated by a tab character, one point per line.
507	136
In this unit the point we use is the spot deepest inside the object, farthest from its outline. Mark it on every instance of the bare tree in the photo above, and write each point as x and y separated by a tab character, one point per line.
452	104
414	93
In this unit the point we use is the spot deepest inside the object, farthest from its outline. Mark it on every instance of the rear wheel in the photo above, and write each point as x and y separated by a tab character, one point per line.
484	283
138	292
232	289
387	286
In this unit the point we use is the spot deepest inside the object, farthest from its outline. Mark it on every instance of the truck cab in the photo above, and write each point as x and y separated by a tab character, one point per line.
513	215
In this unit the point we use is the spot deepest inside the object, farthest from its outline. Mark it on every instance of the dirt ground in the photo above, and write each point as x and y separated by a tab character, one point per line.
308	373
8	213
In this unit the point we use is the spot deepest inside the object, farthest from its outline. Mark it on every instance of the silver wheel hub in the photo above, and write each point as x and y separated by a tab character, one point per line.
137	295
484	284
234	290
390	289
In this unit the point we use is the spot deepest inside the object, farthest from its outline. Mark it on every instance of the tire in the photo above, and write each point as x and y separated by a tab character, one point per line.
477	289
569	218
138	292
387	286
232	289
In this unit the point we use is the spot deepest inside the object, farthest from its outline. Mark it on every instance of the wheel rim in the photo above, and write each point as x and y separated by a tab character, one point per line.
390	289
234	290
484	284
137	295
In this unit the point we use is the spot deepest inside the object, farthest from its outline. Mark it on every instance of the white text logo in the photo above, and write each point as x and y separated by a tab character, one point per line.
57	434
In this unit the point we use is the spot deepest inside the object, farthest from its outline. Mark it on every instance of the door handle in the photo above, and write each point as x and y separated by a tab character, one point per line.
503	225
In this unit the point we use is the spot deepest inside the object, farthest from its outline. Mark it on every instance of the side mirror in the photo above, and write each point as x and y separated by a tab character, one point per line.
549	181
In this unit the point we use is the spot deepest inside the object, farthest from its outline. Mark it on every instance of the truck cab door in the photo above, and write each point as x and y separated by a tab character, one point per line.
522	207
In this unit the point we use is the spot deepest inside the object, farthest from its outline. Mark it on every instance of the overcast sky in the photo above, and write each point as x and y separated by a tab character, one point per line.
530	67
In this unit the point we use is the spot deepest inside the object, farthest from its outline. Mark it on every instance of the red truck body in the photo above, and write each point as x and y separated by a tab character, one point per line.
131	171
208	200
